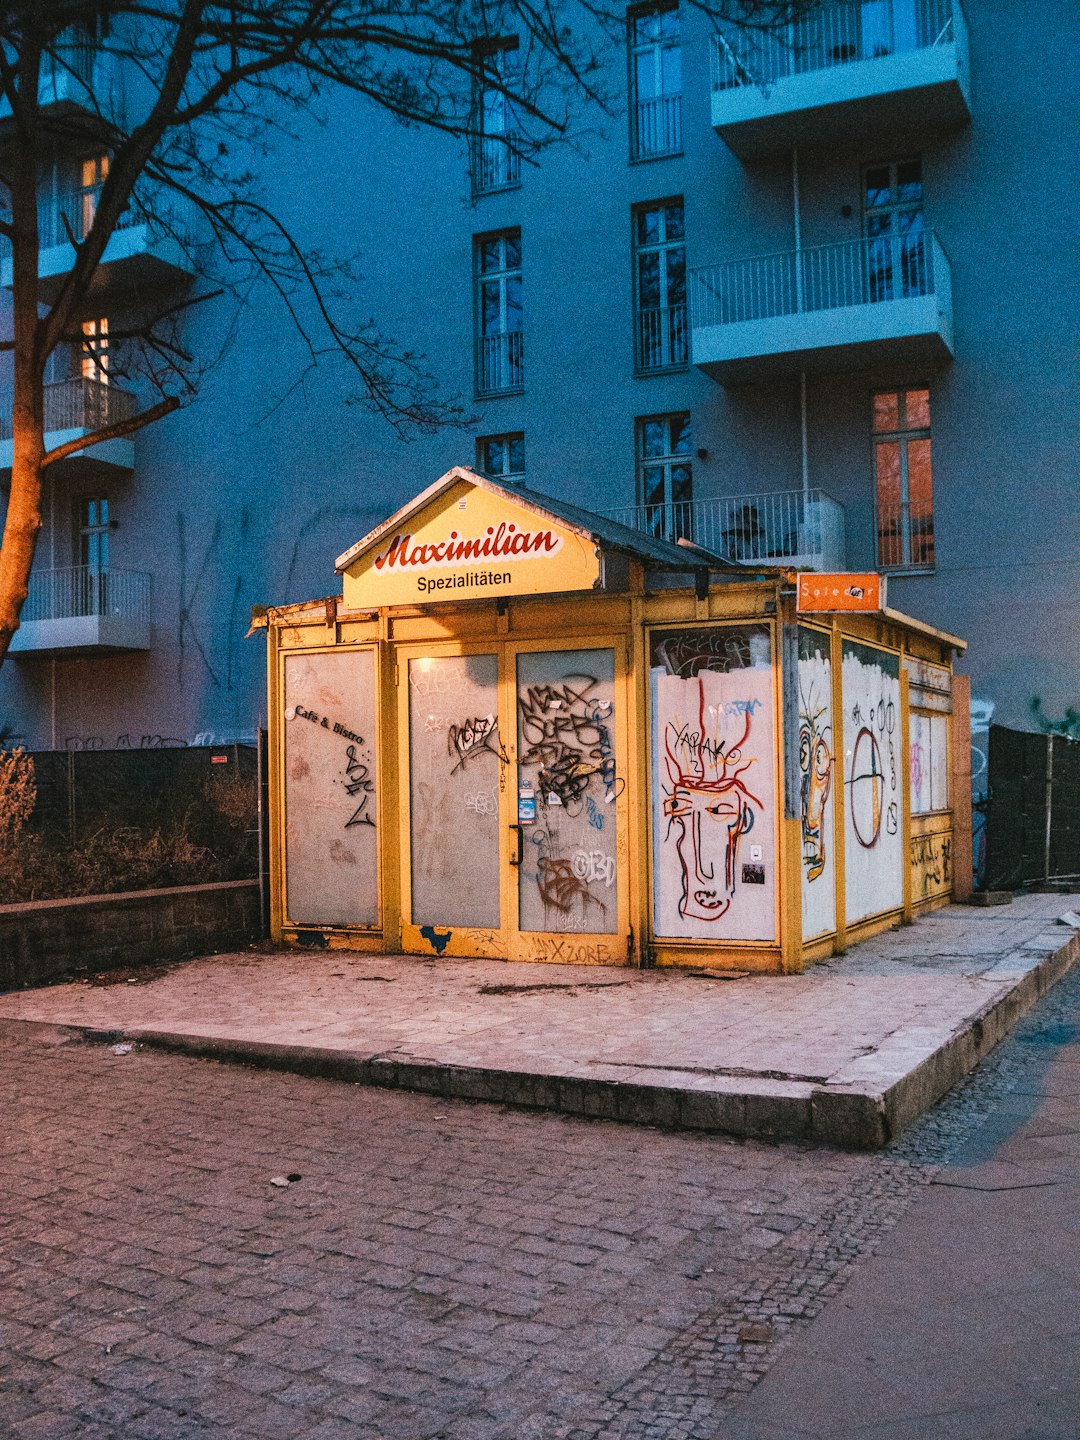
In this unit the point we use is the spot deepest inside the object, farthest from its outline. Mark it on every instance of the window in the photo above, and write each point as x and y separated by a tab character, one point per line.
896	248
659	287
90	580
502	457
904	480
94	359
496	163
500	349
92	174
664	475
655	83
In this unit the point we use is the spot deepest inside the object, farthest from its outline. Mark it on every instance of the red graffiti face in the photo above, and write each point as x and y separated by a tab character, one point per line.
709	809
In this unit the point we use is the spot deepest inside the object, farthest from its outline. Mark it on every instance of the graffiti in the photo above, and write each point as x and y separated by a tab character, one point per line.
590	865
708	807
982	712
482	802
721	650
478	736
869	782
426	679
561	888
593	814
917	768
437	939
568	951
931	864
815	767
564	734
1068	727
358	783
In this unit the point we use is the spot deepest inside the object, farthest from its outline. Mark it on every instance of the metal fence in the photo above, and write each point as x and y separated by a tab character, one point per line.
783	527
78	403
84	590
65	216
496	163
820	277
832	34
211	790
1032	809
661	337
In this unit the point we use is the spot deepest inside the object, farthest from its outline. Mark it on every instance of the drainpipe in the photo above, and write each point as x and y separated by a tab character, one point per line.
797	219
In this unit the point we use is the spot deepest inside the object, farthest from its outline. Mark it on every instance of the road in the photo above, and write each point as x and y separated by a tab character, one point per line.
443	1270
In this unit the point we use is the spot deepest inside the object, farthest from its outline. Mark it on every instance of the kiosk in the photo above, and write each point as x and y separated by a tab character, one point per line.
526	732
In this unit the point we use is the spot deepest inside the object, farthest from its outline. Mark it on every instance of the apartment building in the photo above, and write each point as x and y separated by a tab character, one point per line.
810	299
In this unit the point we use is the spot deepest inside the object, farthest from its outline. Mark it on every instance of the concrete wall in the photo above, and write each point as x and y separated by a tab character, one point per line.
249	494
53	940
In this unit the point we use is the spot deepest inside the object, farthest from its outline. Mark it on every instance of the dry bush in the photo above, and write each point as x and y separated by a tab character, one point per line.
18	795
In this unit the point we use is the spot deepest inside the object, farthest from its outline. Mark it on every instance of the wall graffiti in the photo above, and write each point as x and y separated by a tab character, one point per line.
330	791
816	761
872	781
982	712
473	737
713	785
931	865
566	754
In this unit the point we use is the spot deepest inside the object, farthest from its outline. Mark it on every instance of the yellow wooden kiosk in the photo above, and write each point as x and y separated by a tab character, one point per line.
524	731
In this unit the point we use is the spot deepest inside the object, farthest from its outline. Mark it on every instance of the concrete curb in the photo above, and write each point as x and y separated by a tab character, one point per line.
853	1116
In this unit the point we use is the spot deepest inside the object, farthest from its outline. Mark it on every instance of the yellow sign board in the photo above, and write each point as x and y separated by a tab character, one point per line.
469	543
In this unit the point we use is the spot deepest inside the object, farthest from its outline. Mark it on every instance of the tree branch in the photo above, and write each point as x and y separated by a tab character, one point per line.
112	432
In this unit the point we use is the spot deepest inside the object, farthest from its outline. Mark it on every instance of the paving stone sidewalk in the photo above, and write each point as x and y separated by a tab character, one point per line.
847	1053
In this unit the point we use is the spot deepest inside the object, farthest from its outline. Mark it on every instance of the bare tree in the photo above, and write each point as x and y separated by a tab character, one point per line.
210	85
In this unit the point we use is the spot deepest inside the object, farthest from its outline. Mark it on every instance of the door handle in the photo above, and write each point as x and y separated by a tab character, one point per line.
520	844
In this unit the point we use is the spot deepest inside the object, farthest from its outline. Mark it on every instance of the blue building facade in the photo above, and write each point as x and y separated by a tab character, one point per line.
810	299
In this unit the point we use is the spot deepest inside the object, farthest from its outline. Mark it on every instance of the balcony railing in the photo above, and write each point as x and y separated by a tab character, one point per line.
66	216
80	590
832	34
657	127
661	338
905	536
500	363
496	164
786	527
76	404
823	277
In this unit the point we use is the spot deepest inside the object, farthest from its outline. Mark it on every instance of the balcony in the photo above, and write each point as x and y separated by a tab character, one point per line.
864	302
657	127
152	244
660	339
74	408
796	528
79	78
496	165
500	363
82	611
866	70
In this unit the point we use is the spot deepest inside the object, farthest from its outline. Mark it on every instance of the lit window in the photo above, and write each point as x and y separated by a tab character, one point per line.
665	479
92	175
655	83
94	364
496	161
659	287
502	457
500	351
903	476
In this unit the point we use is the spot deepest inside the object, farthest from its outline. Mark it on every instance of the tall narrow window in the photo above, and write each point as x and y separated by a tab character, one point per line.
500	351
903	474
896	250
502	457
94	361
92	175
496	161
659	287
90	578
655	83
665	480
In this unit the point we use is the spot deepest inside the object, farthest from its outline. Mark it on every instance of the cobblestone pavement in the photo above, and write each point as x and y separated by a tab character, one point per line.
440	1271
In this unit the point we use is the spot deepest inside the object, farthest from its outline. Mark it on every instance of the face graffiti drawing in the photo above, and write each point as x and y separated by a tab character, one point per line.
709	808
815	764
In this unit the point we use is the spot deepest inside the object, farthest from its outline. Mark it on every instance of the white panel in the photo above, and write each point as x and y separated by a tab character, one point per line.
873	799
714	808
455	756
331	850
939	762
816	767
919	763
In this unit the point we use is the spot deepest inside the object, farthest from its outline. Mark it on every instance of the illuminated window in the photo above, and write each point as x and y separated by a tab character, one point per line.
903	474
92	174
94	361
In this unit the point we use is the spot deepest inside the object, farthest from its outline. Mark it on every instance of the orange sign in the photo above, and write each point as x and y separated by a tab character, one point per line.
841	592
